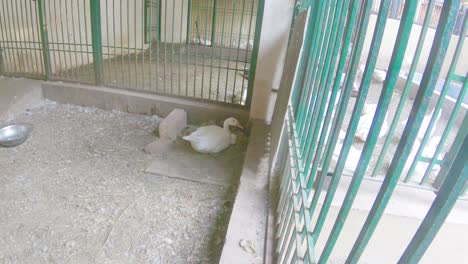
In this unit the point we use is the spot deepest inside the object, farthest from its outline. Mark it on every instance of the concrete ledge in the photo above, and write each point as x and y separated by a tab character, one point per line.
249	215
138	102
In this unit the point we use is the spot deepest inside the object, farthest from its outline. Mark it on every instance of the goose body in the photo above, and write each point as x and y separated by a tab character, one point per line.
213	139
365	122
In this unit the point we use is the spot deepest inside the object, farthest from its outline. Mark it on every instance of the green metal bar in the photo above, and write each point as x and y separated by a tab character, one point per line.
346	92
172	47
143	78
307	95
3	70
135	51
204	55
53	41
458	78
85	12
463	130
343	11
97	40
315	126
359	104
252	8
435	61
2	63
302	73
75	51
229	54
189	21
25	20
238	51
10	27
146	3
69	66
17	27
213	24
440	102
128	66
307	107
254	58
180	45
447	197
302	219
44	39
79	32
407	88
150	42
220	50
382	107
157	44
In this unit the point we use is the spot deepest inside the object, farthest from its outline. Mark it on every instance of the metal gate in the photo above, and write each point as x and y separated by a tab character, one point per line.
330	128
20	41
203	49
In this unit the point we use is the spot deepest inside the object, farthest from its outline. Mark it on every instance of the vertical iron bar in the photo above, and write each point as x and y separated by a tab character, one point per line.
396	62
229	50
44	38
252	9
238	51
440	101
452	188
254	58
372	56
445	134
406	89
96	39
435	61
213	25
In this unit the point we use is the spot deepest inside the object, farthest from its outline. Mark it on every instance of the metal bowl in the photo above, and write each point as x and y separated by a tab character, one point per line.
14	135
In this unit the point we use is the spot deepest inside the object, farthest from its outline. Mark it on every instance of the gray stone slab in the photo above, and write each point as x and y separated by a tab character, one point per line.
182	162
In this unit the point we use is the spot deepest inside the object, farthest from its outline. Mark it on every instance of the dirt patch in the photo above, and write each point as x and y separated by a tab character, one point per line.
76	192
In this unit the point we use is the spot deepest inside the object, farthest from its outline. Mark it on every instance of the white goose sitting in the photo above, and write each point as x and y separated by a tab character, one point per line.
213	139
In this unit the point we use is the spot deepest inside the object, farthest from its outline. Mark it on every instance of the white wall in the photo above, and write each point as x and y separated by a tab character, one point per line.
390	34
272	51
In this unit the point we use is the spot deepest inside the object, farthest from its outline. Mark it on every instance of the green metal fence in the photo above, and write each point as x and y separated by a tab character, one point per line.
202	49
344	120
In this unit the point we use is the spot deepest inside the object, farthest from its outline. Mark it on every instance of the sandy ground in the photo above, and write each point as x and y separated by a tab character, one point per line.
76	192
196	75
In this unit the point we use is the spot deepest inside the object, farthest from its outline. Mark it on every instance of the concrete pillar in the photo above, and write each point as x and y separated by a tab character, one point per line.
272	51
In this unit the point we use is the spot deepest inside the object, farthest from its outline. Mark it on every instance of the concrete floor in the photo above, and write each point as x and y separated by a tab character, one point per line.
195	75
76	192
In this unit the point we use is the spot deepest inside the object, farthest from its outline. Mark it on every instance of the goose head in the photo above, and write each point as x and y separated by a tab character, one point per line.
232	122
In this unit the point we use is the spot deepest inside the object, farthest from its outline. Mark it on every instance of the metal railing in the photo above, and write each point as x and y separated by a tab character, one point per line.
346	119
203	49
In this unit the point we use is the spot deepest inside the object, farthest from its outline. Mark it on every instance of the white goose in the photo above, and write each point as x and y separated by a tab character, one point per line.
213	139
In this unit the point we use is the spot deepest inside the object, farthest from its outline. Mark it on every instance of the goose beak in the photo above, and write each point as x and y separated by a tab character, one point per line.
240	126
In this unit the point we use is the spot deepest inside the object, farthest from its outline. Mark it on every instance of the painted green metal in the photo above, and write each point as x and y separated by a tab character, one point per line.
406	89
97	40
44	39
199	49
318	105
365	84
452	188
256	46
436	58
325	130
438	107
2	63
